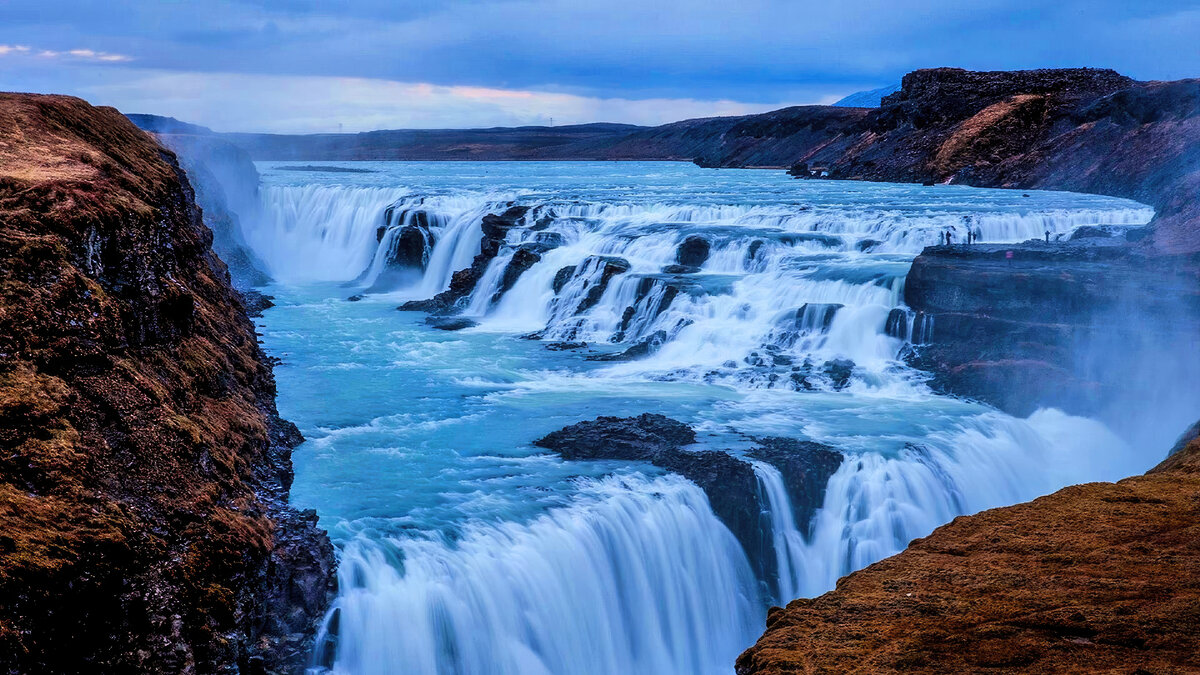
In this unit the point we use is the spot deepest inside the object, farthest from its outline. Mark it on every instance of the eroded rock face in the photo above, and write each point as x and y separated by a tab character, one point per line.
1094	578
729	482
144	471
225	182
1071	325
462	283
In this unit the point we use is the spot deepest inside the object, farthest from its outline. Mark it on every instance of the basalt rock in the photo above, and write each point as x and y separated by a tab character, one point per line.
729	482
561	277
839	372
495	230
643	347
523	258
450	323
1019	332
806	467
611	267
225	183
693	252
144	470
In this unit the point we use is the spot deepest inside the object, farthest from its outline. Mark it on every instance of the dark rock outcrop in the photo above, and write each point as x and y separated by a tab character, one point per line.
495	230
612	267
450	323
522	259
561	277
729	482
144	471
693	252
643	347
1034	330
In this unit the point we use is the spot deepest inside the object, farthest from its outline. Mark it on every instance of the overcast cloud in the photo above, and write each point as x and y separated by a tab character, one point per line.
311	65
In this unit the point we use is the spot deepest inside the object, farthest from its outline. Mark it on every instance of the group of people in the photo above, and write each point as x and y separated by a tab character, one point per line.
972	236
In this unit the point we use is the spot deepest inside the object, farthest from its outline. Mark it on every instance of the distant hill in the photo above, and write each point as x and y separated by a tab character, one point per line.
582	141
1082	129
867	99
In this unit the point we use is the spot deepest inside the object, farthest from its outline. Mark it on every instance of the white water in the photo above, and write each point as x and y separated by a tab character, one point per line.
594	588
465	551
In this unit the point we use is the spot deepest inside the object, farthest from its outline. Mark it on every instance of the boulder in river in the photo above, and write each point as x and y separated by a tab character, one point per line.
730	482
450	323
693	252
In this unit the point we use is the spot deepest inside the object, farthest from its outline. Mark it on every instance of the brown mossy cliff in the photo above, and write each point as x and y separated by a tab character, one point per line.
143	467
1095	578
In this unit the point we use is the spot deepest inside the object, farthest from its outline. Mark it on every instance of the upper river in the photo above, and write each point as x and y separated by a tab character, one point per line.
465	549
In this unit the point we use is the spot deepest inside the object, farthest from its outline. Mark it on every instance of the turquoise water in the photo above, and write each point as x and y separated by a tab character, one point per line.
465	549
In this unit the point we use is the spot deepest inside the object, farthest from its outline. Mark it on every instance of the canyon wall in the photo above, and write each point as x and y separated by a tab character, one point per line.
144	471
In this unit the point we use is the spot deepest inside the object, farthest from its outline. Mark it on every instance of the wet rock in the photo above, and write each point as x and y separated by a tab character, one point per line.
865	245
806	467
612	267
355	298
644	347
729	482
1010	332
897	323
256	302
450	323
640	438
565	346
839	372
693	252
809	318
549	239
561	277
680	269
753	250
523	258
462	282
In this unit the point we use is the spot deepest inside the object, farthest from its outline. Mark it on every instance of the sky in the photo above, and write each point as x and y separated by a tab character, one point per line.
305	66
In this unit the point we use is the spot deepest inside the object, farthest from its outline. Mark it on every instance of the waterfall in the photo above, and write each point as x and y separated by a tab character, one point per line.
786	539
637	577
800	290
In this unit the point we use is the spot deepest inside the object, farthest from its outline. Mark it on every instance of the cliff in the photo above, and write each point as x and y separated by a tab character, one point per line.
143	468
1092	326
226	185
1095	578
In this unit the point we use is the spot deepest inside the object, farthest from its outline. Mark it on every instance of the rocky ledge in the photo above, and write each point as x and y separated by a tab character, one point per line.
728	480
1085	326
144	471
1095	578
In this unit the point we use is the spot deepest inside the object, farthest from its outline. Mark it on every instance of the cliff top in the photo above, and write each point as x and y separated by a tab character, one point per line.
59	141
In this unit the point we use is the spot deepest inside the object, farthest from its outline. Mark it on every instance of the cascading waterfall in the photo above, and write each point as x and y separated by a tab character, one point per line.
593	588
799	287
786	538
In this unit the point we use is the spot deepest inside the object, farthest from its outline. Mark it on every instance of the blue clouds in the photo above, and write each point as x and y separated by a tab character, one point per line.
758	51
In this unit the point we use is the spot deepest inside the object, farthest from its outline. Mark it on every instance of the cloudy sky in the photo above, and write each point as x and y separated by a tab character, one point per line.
312	65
